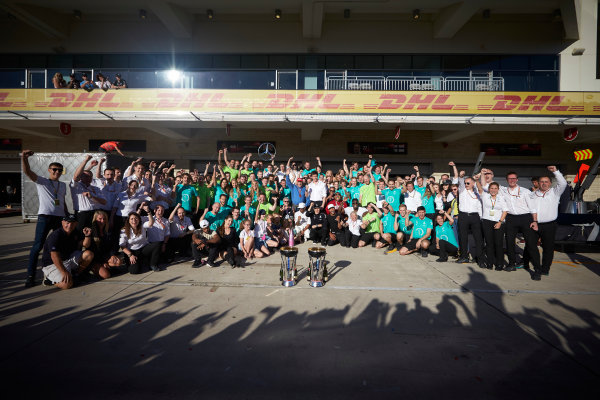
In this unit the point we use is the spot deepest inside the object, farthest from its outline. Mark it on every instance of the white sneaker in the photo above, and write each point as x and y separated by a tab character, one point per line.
211	265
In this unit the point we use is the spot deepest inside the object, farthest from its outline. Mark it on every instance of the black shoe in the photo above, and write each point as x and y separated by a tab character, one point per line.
520	265
510	268
537	276
463	260
489	266
47	282
424	253
499	268
545	273
30	281
197	264
441	259
154	268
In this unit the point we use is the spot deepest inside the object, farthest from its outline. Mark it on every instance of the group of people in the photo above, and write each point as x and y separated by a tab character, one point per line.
87	83
238	210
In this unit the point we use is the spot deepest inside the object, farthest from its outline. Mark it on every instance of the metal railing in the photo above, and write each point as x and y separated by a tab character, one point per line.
356	83
406	83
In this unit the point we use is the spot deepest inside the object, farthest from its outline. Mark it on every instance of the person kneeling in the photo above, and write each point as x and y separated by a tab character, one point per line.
421	233
205	240
445	241
62	255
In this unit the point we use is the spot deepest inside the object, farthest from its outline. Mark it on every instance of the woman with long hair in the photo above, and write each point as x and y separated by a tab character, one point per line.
125	203
134	243
229	242
58	81
235	193
104	255
445	241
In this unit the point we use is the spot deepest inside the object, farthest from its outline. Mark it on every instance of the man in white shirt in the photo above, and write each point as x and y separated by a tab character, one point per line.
86	197
469	212
545	200
412	198
317	190
519	218
302	228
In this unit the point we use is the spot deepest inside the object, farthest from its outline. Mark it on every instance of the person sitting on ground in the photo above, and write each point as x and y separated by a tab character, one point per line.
302	224
318	225
445	241
105	257
335	222
419	237
370	226
246	245
353	232
389	232
229	242
63	257
134	243
205	241
262	241
403	225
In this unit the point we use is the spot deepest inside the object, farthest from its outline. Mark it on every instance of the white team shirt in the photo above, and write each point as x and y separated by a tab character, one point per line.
81	202
159	230
109	192
134	242
412	200
179	228
546	204
51	195
518	200
492	209
468	200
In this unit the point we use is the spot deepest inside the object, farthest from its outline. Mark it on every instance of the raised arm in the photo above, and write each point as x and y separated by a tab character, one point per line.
98	171
81	167
25	164
174	212
319	162
454	170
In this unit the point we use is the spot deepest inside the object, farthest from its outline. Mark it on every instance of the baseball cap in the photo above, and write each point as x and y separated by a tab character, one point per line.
118	75
204	224
330	206
69	218
302	205
299	180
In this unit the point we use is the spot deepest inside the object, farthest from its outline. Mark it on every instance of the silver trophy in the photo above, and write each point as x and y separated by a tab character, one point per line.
316	266
288	273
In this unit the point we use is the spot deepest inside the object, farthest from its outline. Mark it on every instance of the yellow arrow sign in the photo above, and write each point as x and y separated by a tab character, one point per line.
583	155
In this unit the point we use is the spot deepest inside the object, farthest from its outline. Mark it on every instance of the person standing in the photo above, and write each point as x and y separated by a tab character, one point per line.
520	218
545	201
469	211
86	197
52	209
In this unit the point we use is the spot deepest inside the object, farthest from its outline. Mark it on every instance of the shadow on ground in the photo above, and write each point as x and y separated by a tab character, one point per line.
147	343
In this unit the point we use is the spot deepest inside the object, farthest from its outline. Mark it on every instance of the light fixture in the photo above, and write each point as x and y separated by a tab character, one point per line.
578	51
173	75
346	13
77	14
486	13
209	14
416	13
556	14
278	14
143	14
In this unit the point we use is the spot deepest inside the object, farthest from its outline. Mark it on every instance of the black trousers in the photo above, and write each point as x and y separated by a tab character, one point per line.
211	249
470	222
319	234
351	240
514	224
494	246
339	237
546	232
84	218
445	248
179	245
147	255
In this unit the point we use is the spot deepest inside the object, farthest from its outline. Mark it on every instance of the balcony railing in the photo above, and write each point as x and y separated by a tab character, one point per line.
404	83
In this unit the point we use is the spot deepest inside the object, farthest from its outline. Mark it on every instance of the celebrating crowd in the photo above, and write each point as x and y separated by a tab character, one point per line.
237	210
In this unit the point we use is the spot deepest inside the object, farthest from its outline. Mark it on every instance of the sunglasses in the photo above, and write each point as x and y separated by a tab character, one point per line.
56	169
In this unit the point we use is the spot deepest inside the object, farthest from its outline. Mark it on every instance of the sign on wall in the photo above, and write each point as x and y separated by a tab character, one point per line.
377	148
511	149
240	146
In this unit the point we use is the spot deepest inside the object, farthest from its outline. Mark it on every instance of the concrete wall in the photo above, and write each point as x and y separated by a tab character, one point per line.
578	72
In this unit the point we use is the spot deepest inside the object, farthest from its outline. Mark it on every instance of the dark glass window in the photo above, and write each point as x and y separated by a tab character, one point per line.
283	61
226	61
339	62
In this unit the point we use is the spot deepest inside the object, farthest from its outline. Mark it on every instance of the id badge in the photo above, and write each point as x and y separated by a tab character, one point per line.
56	202
491	213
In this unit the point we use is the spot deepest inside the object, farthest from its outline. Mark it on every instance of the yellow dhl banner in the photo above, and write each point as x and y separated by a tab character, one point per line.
303	101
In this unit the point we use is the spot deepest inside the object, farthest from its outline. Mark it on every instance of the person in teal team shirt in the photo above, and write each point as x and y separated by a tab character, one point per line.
445	241
403	225
421	233
247	211
389	231
307	171
354	189
187	195
392	195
